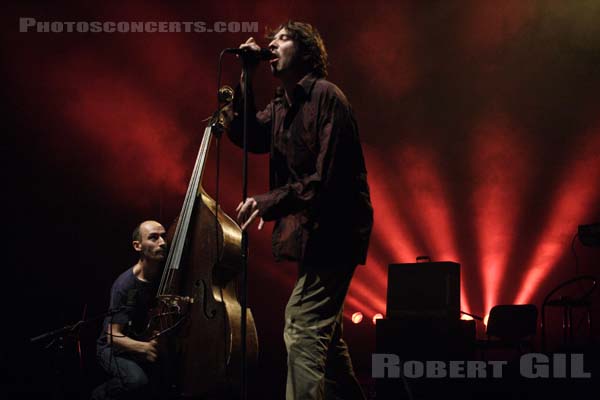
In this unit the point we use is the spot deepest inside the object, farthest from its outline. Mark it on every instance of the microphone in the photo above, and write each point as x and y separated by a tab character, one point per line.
261	55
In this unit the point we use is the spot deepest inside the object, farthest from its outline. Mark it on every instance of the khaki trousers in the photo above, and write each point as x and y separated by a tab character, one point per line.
319	366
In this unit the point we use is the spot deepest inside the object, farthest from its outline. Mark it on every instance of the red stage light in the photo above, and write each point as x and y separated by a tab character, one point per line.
357	317
573	200
485	319
497	197
376	317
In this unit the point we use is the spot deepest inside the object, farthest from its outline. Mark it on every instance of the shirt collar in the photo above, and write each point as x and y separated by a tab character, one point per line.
303	88
307	83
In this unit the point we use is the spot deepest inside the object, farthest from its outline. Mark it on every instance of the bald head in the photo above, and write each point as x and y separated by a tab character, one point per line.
149	239
146	225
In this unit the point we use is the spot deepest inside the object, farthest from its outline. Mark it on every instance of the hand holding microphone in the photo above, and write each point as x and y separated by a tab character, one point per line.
251	49
251	54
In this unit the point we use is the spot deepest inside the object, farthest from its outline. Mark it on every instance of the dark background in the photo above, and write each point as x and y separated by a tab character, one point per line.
479	120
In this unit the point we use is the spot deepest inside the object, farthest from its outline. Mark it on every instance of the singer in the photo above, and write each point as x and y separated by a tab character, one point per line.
318	198
131	363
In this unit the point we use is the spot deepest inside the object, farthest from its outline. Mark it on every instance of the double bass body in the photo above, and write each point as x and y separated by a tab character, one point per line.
198	313
209	352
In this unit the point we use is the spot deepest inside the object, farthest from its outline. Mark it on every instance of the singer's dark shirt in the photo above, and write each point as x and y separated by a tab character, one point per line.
319	196
130	302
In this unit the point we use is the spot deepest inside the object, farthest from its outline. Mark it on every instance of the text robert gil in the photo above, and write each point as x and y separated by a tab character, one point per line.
531	365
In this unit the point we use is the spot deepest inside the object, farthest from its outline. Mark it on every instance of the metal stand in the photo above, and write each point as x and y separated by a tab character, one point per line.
568	304
244	283
56	344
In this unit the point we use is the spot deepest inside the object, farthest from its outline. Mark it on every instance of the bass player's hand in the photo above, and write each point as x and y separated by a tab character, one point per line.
149	350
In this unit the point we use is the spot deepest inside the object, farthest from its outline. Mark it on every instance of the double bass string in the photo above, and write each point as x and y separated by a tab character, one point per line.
175	248
182	225
174	256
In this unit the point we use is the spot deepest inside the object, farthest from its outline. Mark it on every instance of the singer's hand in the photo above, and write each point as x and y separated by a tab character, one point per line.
251	44
247	212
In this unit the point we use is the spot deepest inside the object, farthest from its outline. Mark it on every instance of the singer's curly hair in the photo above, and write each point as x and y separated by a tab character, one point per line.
309	43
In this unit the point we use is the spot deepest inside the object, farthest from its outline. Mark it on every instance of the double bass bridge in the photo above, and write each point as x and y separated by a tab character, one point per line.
170	312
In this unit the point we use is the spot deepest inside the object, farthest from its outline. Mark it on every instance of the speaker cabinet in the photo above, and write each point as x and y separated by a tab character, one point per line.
413	340
424	290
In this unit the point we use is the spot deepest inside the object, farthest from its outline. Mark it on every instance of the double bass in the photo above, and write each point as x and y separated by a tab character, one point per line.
197	312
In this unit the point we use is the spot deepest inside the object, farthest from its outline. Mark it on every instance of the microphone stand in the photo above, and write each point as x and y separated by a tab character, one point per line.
61	332
245	57
56	343
57	333
244	284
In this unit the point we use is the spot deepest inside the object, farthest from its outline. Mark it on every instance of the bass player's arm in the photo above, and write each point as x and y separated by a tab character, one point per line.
123	342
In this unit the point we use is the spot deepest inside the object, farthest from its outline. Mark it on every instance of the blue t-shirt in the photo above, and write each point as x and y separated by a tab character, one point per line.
131	299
